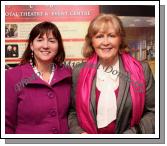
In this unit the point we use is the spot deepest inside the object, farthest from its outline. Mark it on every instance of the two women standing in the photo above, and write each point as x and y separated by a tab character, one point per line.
101	102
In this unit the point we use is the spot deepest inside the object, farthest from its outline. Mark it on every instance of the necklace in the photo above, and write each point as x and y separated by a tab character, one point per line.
41	74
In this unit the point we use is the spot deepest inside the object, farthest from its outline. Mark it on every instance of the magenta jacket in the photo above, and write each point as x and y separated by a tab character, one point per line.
34	107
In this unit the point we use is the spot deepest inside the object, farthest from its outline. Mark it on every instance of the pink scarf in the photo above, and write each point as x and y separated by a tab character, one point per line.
84	84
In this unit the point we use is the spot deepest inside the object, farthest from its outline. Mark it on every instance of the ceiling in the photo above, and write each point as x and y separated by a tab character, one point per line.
136	21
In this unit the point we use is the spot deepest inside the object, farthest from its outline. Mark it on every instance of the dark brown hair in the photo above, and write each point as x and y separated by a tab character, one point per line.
41	29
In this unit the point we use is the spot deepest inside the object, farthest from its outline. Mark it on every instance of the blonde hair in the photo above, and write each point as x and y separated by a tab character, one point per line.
102	21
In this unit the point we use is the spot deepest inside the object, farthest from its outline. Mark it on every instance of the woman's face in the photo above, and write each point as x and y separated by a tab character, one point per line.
45	48
106	44
14	48
9	48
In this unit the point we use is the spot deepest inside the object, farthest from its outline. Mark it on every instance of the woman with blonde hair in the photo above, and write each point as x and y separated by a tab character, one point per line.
112	92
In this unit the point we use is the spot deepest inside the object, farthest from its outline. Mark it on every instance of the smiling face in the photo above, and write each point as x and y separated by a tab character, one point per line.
106	43
45	48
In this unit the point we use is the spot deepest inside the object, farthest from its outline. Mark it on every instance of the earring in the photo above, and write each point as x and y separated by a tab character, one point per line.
32	54
32	58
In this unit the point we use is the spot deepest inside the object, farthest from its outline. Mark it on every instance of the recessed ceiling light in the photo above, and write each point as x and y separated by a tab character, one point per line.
150	20
136	20
132	25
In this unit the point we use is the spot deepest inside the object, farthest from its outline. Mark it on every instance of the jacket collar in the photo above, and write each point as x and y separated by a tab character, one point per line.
29	75
61	73
123	87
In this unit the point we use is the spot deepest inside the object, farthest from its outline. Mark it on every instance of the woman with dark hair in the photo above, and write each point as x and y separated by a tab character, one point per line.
38	90
112	92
